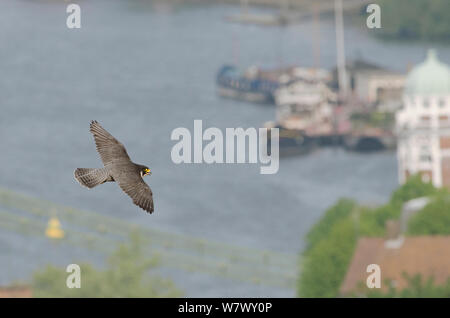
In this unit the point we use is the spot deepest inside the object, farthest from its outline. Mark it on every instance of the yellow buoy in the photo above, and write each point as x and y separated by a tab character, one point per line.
54	230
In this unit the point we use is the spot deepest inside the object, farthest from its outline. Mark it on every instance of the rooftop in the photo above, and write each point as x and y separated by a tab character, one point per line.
431	77
425	255
15	292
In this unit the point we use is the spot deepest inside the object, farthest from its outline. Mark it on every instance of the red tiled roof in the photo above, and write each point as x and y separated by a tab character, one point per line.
15	292
428	256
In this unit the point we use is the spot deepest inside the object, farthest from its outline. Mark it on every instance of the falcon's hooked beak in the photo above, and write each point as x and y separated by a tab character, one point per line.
147	172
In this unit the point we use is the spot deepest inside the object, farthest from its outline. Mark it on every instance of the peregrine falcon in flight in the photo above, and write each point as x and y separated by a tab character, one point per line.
118	167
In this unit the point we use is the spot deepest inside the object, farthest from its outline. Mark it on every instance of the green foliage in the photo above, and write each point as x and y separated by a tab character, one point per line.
373	222
417	288
331	242
433	219
125	276
334	214
326	263
361	120
414	188
415	19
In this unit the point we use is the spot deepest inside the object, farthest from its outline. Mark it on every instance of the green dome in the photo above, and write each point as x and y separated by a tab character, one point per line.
430	77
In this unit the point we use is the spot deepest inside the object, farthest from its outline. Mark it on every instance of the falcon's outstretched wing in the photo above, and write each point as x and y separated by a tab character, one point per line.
138	190
109	148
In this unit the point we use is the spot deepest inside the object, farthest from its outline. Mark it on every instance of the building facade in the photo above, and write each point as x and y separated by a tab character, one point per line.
423	123
373	85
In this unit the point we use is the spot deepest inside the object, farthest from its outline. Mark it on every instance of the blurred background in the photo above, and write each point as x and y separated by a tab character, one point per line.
362	114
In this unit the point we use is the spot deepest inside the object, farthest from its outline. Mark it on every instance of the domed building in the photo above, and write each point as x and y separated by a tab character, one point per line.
423	123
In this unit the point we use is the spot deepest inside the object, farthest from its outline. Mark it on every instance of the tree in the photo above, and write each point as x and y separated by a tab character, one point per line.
433	219
413	188
321	230
417	288
415	19
325	265
331	242
125	276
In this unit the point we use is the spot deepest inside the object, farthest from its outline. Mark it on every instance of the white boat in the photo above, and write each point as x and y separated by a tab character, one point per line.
306	105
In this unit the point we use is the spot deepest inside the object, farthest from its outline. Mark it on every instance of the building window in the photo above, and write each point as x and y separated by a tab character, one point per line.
443	120
426	103
444	142
425	153
425	158
441	103
425	120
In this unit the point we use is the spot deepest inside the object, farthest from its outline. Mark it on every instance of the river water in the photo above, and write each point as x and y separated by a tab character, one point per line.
141	70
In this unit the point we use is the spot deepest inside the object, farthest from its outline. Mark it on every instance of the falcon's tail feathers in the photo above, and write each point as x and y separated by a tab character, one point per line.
91	177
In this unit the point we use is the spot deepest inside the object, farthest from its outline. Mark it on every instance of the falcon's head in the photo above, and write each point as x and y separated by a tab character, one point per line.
145	171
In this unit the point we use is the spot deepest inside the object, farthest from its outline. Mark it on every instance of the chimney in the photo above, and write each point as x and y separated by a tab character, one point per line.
409	209
392	229
394	239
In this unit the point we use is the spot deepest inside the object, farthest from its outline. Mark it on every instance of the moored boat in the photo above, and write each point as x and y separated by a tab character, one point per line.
249	86
292	142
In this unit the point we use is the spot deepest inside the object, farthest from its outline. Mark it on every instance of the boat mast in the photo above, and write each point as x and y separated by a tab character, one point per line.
284	8
340	48
244	7
235	36
316	35
235	48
